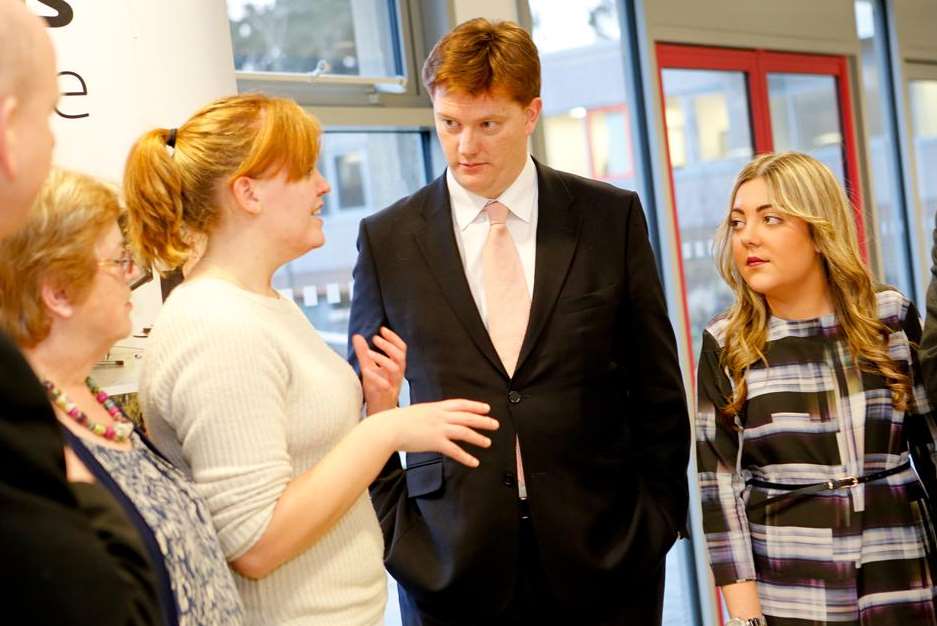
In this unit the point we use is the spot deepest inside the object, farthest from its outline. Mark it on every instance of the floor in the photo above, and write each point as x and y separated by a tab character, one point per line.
677	611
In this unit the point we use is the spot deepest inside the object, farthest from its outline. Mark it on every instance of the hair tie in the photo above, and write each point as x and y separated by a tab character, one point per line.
171	139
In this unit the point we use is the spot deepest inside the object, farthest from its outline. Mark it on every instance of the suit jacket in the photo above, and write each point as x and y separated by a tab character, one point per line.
597	401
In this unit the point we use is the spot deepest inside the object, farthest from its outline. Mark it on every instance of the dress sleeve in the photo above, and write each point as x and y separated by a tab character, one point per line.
718	449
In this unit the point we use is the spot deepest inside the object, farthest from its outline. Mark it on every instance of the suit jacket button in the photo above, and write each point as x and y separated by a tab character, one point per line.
514	397
509	480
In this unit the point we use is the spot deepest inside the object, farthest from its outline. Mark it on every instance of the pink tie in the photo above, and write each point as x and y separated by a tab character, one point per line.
507	301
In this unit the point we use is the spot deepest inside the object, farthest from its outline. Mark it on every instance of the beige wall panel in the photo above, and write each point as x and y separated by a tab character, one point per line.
915	21
819	26
491	9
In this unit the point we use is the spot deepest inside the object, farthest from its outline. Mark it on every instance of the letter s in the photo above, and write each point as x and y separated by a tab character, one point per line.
64	13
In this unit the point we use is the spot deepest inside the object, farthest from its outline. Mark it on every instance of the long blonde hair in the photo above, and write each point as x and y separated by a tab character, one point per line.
803	187
172	192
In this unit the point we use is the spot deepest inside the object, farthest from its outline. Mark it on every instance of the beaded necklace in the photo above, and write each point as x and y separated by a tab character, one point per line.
117	432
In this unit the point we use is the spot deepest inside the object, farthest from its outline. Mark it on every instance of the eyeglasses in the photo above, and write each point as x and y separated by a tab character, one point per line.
131	272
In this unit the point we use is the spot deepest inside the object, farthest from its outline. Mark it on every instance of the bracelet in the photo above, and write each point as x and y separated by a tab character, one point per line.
751	621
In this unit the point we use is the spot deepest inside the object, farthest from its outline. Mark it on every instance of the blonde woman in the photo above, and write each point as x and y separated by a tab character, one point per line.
239	389
810	405
65	283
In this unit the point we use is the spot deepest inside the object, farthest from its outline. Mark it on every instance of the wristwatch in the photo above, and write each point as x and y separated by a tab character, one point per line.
751	621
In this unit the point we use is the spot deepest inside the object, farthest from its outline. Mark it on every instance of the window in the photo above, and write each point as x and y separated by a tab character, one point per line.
349	180
610	143
585	116
884	161
709	137
321	281
923	100
333	52
344	37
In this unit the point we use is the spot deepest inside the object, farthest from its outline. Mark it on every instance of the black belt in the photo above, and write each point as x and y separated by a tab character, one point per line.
794	491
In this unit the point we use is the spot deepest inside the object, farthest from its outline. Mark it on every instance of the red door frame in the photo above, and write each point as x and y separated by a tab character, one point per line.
756	65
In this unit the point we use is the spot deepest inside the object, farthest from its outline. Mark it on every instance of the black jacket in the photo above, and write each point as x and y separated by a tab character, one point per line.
69	554
597	400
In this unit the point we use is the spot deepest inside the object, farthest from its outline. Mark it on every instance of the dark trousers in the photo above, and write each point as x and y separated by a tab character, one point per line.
534	604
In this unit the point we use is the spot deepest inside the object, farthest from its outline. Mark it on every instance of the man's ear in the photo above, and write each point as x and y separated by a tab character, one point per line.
245	192
7	140
56	299
533	111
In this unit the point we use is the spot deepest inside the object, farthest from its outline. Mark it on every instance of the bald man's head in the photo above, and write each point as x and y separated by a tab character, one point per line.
28	93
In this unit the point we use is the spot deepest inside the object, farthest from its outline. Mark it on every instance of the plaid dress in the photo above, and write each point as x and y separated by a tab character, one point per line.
857	555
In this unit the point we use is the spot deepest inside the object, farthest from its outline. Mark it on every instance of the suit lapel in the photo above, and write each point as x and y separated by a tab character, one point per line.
436	241
558	225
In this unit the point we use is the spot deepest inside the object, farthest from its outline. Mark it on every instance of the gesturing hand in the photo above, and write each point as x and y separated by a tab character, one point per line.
381	372
436	426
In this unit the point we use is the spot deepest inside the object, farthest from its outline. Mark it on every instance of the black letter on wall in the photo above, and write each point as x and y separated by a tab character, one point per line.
83	92
64	16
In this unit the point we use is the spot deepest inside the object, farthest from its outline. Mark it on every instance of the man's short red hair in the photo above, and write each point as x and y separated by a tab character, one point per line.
480	56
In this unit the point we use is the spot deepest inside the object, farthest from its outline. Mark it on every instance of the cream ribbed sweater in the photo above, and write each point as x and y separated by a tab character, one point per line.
241	393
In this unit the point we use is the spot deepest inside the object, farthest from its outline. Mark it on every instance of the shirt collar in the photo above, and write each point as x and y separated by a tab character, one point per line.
518	197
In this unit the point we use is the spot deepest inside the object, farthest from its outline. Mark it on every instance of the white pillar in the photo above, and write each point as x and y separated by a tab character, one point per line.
126	66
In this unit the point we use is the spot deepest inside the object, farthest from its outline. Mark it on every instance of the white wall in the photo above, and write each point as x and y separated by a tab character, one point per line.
132	65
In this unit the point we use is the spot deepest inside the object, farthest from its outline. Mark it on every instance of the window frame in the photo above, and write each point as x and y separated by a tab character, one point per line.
415	22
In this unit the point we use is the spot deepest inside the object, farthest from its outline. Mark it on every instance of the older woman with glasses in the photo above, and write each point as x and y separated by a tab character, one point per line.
65	285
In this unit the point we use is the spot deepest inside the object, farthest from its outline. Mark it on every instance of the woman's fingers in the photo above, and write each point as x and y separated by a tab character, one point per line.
461	404
466	434
456	453
471	420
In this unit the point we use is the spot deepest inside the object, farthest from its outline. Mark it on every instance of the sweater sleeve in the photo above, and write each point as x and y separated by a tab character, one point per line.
718	449
226	387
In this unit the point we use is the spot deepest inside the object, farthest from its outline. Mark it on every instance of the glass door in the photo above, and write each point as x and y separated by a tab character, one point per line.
721	107
709	139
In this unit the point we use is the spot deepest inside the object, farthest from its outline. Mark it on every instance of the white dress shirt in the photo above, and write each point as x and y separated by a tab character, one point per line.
471	227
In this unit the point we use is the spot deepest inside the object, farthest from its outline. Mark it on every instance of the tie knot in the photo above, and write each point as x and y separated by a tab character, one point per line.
497	212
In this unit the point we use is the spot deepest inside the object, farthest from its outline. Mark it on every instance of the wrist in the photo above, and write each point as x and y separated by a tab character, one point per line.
381	426
373	408
747	621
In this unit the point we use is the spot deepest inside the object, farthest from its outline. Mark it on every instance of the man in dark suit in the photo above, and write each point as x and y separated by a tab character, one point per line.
535	291
69	554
